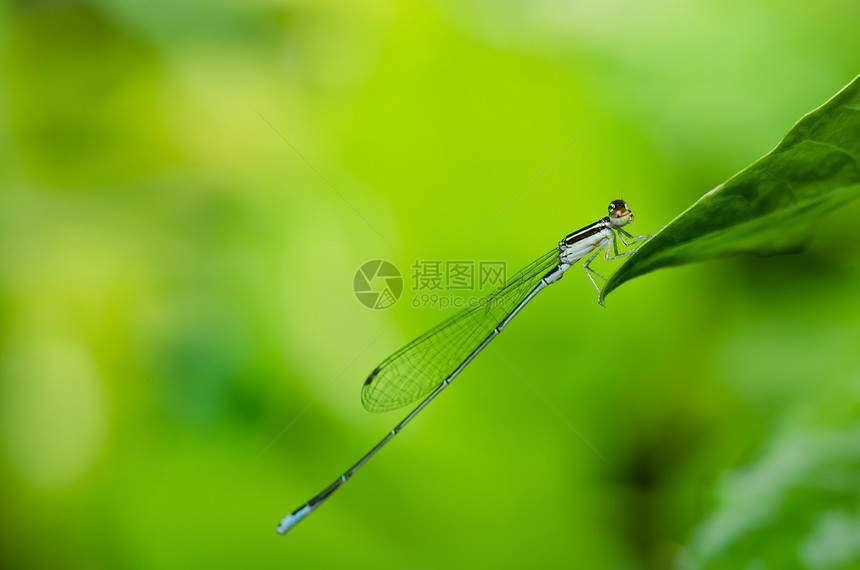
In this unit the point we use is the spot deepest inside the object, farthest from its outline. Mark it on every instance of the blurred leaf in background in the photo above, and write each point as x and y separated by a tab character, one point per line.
187	190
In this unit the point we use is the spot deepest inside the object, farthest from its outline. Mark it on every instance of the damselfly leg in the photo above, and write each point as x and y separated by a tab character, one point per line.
605	245
634	239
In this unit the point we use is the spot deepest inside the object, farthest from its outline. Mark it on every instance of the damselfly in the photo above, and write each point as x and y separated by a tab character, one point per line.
423	368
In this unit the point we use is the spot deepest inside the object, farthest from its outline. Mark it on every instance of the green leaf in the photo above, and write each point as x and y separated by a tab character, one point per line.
768	207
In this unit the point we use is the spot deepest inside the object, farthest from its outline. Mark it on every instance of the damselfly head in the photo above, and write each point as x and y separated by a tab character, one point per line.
619	213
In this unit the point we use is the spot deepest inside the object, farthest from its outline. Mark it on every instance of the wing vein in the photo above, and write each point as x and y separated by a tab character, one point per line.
421	366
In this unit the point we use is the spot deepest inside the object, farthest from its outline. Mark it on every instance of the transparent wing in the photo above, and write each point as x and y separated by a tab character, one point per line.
422	365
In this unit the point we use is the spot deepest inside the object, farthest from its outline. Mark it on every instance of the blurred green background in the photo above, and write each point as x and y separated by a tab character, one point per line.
182	351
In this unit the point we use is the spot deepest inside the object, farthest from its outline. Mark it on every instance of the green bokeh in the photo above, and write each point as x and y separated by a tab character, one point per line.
182	351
